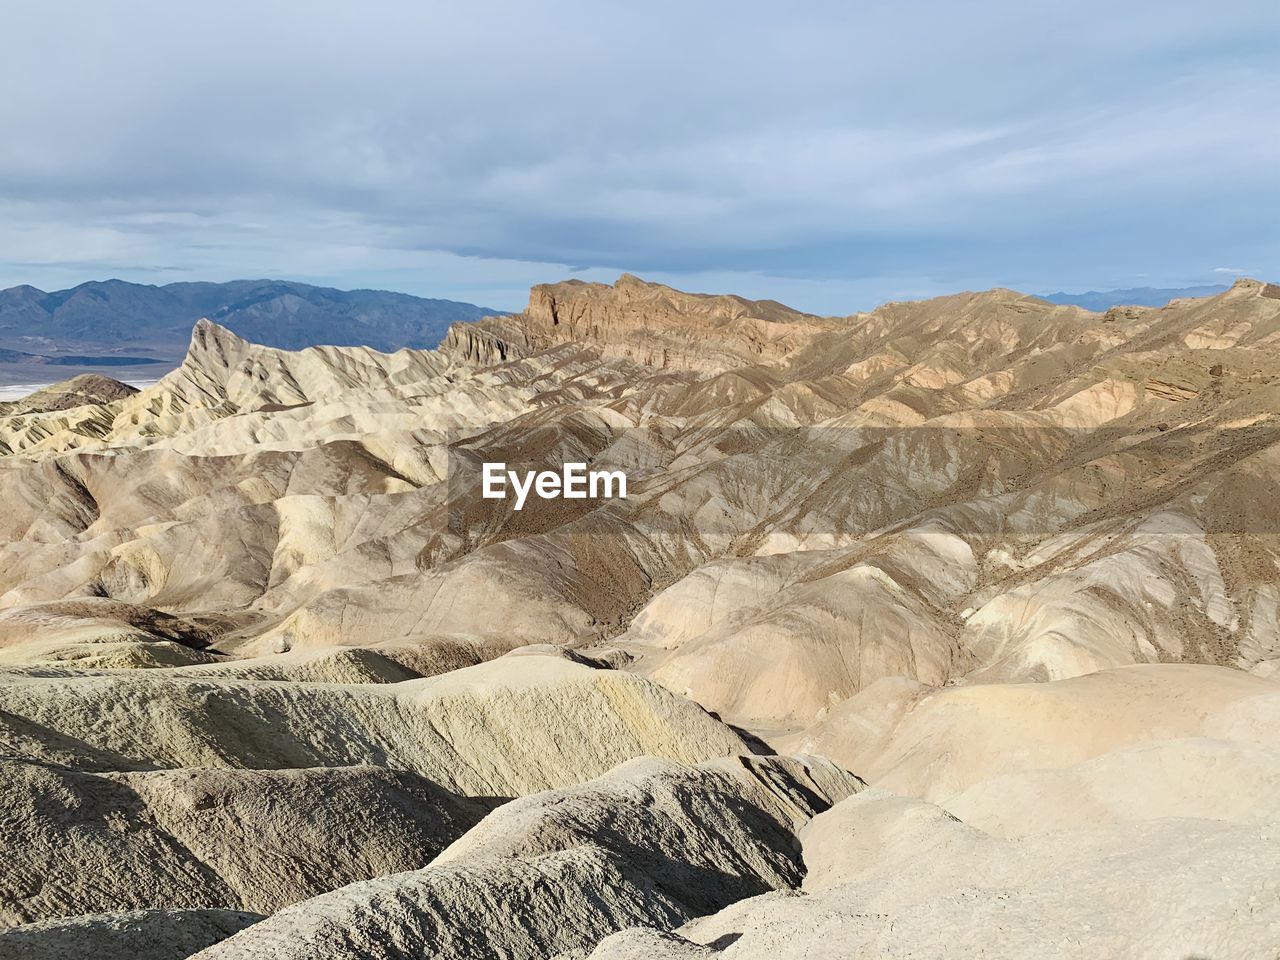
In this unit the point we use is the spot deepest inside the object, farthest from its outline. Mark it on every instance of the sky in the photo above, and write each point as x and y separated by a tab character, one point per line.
829	155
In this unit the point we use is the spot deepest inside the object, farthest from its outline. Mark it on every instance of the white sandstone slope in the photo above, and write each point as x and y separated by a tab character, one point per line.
1195	777
936	743
900	879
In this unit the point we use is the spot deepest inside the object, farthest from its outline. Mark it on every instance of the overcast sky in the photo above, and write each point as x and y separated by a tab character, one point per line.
831	155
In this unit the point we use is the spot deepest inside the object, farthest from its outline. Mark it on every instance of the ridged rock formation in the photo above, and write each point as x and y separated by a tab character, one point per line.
651	842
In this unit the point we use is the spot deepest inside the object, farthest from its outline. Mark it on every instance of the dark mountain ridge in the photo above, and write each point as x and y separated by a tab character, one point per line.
1103	300
114	317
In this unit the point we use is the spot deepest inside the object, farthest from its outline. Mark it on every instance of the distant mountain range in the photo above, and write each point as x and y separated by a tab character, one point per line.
1100	300
137	331
114	323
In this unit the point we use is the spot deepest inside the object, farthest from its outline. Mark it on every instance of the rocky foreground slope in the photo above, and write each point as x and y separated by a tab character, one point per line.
276	680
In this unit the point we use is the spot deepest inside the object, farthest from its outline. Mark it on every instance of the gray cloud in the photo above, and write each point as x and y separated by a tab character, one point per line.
842	151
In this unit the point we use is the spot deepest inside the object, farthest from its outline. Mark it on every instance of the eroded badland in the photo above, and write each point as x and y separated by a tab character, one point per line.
944	630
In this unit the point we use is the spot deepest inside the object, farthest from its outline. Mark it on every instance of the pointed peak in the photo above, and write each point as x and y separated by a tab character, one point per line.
206	332
213	346
631	280
23	290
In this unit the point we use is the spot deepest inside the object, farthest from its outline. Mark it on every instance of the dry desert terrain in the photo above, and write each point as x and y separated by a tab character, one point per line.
947	630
